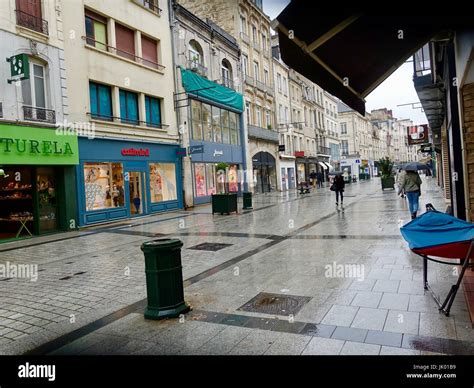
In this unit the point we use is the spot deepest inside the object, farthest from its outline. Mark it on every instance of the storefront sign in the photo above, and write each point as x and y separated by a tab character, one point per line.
281	147
426	148
197	149
181	152
33	145
135	152
299	154
19	67
218	153
417	134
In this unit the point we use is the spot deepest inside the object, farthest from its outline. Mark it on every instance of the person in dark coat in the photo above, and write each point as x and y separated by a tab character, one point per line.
339	185
319	177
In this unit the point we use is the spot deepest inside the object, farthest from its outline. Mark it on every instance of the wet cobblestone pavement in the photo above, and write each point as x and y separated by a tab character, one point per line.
90	291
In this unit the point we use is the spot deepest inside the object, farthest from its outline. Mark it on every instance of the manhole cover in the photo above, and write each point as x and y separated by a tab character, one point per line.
210	246
278	304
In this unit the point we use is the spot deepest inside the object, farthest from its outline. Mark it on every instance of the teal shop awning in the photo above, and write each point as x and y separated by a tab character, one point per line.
198	86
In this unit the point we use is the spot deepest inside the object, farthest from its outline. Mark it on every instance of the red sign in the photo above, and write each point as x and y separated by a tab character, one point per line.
135	152
418	134
299	154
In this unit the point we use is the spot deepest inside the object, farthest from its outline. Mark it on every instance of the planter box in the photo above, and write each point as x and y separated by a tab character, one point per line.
388	183
224	203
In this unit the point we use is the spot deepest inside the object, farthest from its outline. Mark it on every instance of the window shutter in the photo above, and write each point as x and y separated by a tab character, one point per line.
149	50
125	41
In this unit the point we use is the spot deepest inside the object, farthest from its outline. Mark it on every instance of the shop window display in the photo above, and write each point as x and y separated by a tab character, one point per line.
47	204
162	182
208	180
200	179
232	177
104	186
16	202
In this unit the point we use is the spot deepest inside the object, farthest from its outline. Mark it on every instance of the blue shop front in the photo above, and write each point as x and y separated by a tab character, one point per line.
216	139
120	179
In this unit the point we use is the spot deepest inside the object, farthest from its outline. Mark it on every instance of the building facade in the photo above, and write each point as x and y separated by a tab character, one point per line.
209	106
37	186
121	71
246	21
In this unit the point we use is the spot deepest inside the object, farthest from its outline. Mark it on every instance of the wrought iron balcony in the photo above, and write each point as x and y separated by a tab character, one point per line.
152	5
39	114
324	150
31	22
197	67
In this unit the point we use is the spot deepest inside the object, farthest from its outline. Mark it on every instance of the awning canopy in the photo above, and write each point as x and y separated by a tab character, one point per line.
323	165
329	166
198	86
349	52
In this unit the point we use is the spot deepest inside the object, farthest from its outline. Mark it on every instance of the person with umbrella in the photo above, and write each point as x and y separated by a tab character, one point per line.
410	184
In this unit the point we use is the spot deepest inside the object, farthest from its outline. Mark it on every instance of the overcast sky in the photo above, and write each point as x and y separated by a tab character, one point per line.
395	90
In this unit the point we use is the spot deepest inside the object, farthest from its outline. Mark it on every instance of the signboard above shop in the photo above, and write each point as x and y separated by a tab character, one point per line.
34	145
196	149
417	134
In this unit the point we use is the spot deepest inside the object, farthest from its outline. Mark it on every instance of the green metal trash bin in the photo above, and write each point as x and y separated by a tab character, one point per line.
164	279
247	199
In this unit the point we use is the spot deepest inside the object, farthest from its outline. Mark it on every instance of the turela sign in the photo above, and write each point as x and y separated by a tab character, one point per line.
34	146
30	145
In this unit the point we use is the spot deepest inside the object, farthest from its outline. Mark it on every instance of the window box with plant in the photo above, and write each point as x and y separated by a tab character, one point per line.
387	178
223	201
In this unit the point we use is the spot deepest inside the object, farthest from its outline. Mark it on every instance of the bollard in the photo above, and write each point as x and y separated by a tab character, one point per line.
164	279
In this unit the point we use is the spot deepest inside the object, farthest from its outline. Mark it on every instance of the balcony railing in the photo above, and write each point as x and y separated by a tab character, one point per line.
269	89
122	53
245	37
39	114
152	5
260	85
324	150
31	22
197	67
227	82
263	133
249	80
125	120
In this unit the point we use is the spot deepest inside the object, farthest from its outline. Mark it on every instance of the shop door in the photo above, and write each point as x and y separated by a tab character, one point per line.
136	194
291	178
47	201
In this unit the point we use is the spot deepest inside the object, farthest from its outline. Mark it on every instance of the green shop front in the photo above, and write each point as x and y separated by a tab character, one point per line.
37	181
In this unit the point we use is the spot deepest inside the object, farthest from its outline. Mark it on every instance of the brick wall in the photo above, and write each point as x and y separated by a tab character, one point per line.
468	125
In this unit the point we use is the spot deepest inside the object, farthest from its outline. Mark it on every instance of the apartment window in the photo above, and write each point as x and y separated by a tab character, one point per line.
243	25
286	114
345	147
128	107
248	112
153	111
34	89
149	51
268	118
195	52
245	64
96	30
226	73
256	70
254	34
225	126
279	81
125	41
101	101
264	41
258	114
285	89
280	113
28	14
265	76
343	129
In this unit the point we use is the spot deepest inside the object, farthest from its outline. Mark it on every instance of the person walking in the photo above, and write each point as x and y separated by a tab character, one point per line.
410	184
339	185
319	177
313	178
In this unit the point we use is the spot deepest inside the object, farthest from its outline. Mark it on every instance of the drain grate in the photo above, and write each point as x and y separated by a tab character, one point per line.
213	247
279	304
